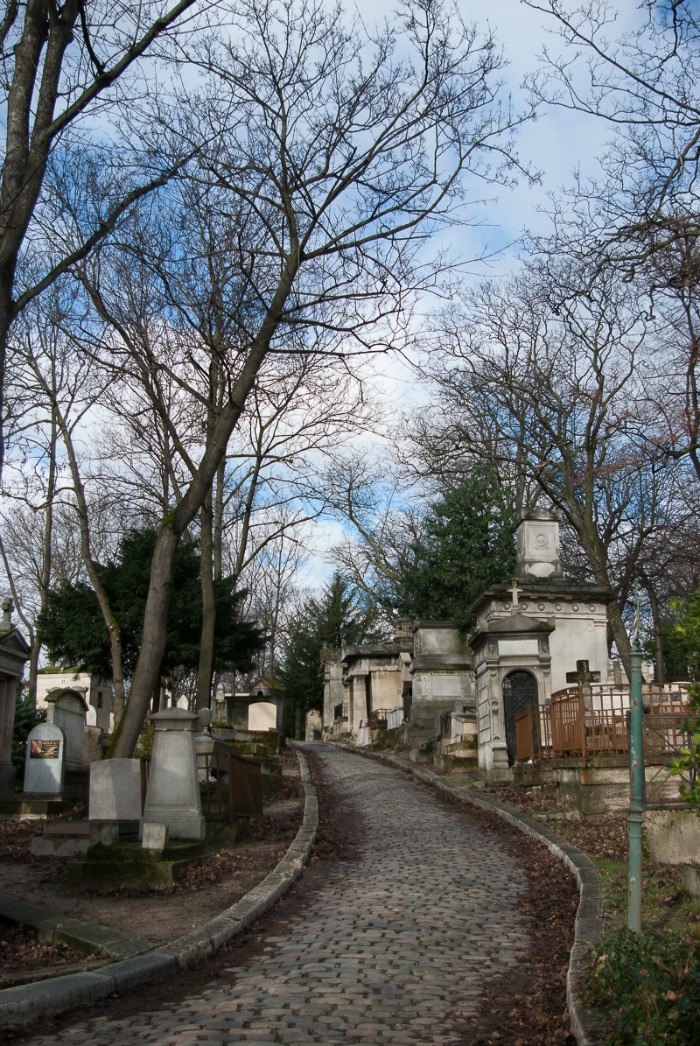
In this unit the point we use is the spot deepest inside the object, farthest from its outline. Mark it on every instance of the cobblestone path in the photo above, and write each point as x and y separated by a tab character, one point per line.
396	946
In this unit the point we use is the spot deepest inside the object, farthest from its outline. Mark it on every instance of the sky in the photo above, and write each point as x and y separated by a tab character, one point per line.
556	144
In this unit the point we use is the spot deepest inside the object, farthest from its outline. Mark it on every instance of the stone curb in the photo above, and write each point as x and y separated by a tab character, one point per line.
26	1003
588	928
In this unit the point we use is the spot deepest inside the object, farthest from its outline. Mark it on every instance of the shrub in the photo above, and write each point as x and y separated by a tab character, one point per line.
687	763
648	988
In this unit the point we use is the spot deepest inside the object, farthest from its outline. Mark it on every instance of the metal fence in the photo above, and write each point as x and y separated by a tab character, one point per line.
583	722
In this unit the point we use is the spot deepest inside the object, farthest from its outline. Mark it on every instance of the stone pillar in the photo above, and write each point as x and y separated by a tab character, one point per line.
332	684
359	701
8	690
173	795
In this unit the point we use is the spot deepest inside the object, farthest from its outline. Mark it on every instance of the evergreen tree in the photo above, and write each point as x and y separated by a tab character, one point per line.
74	631
340	615
26	718
468	545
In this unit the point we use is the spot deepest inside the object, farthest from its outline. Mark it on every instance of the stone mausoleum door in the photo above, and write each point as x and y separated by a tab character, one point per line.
519	691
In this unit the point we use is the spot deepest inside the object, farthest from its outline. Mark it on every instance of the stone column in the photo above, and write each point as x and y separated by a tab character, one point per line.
359	701
173	796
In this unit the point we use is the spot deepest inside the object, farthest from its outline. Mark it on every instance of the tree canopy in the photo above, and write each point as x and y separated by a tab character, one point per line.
341	615
468	544
74	631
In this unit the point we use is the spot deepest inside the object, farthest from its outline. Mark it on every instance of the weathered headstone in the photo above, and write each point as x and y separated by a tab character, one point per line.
173	797
45	761
154	836
67	709
115	790
583	675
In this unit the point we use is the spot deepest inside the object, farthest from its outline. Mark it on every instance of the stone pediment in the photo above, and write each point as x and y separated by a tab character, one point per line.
515	625
14	651
14	641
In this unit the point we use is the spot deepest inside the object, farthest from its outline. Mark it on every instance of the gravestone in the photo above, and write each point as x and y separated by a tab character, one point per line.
45	761
67	709
262	716
583	675
115	790
173	797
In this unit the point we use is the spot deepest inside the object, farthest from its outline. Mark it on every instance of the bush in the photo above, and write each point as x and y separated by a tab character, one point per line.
687	763
647	986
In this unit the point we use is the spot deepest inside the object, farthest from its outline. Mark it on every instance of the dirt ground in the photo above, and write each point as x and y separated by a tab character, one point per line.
525	1010
157	917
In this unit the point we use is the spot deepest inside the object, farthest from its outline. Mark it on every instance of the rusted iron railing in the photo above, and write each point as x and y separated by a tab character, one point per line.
582	722
379	718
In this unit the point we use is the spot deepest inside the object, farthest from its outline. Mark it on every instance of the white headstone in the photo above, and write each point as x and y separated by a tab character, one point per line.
115	790
262	716
45	760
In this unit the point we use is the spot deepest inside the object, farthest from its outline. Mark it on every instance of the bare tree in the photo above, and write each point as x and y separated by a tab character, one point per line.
540	381
643	216
381	530
169	386
66	68
68	393
336	155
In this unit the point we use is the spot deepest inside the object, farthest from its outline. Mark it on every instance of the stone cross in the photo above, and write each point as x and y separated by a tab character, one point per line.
516	592
583	675
7	608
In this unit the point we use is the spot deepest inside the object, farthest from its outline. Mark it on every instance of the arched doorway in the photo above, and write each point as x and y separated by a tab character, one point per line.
519	691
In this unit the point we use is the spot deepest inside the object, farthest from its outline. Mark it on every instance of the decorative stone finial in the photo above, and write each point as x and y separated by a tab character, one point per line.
538	545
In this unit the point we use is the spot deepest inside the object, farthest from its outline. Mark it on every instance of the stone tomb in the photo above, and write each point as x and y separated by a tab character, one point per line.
14	651
173	796
260	710
442	679
45	761
528	631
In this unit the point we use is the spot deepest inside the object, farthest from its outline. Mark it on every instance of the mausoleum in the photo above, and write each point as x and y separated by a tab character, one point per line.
529	633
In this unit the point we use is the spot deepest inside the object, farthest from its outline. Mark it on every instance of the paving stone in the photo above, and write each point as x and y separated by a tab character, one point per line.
398	946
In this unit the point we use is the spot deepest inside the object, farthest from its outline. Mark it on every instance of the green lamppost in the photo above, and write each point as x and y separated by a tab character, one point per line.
636	753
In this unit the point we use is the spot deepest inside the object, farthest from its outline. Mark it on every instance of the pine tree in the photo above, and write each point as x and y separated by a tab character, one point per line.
468	544
340	616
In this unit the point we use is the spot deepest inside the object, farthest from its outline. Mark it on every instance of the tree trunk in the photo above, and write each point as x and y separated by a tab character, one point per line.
155	617
619	634
206	647
659	658
113	628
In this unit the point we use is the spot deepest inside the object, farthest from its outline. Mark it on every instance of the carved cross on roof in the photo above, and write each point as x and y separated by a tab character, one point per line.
583	675
516	592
